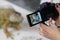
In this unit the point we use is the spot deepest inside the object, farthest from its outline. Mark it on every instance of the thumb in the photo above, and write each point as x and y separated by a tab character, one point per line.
50	21
53	26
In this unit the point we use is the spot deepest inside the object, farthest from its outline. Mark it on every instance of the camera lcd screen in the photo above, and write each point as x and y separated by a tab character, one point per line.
34	18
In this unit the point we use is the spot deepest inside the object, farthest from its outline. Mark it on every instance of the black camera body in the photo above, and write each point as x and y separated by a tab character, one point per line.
47	10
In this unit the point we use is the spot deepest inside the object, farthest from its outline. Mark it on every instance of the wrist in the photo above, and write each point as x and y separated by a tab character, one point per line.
57	37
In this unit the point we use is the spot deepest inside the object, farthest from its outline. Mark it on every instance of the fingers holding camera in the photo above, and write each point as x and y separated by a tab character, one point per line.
40	31
52	25
50	31
43	32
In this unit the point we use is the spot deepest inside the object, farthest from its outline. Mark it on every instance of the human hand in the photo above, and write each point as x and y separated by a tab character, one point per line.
50	31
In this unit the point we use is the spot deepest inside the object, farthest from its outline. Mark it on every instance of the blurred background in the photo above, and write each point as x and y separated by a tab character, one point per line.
30	5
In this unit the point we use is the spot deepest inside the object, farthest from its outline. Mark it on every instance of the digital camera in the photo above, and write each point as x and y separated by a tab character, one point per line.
47	10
